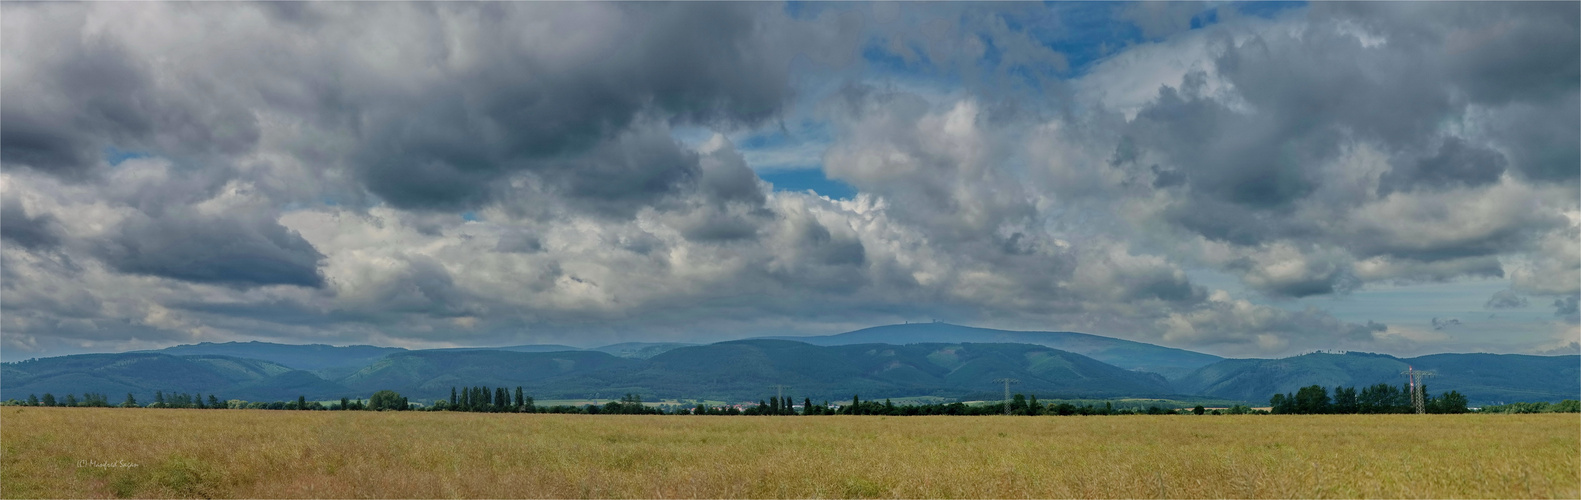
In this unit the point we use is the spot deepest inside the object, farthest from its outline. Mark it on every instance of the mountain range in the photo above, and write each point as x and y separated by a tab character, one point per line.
926	359
1126	354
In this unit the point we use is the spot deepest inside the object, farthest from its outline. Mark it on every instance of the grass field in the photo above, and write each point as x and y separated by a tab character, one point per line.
109	452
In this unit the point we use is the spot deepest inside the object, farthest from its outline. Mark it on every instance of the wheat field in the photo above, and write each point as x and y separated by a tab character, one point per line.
110	452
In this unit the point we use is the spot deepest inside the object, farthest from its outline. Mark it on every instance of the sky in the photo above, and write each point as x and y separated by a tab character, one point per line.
1245	180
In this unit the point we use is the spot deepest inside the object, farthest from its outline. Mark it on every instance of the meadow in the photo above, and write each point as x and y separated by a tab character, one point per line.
114	452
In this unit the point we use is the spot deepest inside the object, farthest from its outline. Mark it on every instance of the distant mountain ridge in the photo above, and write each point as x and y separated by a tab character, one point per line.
737	370
925	359
326	360
750	367
1131	355
142	373
1483	378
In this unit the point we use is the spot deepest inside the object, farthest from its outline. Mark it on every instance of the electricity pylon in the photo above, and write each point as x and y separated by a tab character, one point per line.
1418	390
1007	382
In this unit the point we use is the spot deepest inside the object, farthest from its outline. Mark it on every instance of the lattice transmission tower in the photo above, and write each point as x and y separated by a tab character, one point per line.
1007	382
1418	390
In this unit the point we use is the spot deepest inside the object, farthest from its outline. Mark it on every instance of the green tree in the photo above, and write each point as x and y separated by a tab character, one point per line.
1279	404
453	400
855	405
520	403
806	407
1346	401
32	400
130	402
301	402
49	399
387	400
1383	398
1312	400
71	400
1199	410
1450	402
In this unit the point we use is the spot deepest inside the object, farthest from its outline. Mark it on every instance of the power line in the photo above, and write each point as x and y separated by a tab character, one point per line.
1007	382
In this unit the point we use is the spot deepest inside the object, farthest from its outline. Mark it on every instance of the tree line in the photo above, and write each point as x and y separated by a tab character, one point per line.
1315	399
1380	398
1566	406
382	400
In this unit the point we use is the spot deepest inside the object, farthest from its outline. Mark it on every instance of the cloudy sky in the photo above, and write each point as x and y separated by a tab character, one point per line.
1239	179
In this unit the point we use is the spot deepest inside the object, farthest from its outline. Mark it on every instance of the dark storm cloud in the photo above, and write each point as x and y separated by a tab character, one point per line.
519	242
1497	51
1542	137
1256	162
1456	164
1526	55
572	113
1222	220
243	250
1440	324
1506	299
1256	168
59	113
817	258
420	286
634	170
37	232
1568	308
1322	278
1307	95
497	89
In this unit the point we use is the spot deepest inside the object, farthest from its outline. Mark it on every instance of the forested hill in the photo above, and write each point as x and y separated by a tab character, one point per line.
325	361
880	370
738	370
1482	378
1126	354
143	373
746	369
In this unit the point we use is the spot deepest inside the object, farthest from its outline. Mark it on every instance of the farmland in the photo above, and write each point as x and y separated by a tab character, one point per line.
112	452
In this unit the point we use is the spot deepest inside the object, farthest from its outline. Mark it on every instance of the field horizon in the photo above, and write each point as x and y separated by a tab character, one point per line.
107	452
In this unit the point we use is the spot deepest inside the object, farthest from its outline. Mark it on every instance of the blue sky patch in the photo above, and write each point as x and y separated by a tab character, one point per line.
809	179
114	156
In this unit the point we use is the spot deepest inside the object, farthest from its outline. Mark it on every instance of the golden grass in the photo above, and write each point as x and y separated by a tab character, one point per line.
269	454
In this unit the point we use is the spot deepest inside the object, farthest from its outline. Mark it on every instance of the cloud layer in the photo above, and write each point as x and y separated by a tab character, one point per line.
466	174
